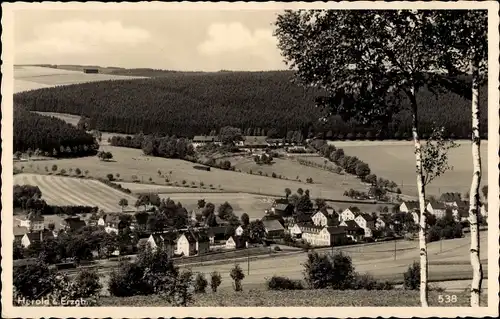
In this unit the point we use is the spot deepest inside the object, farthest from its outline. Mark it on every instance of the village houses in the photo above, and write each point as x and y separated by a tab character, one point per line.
347	214
437	209
366	222
33	222
352	230
35	237
192	243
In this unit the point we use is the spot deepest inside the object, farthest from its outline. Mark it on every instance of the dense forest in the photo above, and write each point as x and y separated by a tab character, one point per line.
185	104
50	136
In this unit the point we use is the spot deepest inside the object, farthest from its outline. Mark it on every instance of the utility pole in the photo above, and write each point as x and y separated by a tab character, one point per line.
248	262
395	249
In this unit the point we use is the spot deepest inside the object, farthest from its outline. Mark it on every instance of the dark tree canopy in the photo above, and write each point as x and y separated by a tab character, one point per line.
185	104
50	135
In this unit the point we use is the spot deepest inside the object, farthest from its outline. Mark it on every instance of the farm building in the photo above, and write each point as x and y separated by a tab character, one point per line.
90	70
409	206
32	222
236	242
273	228
254	142
203	140
353	231
323	236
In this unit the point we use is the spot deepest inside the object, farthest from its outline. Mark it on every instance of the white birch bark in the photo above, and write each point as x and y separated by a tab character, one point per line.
421	199
474	199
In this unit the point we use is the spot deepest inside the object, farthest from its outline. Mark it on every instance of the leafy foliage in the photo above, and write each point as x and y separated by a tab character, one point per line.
50	135
435	155
412	277
188	104
283	283
215	281
237	275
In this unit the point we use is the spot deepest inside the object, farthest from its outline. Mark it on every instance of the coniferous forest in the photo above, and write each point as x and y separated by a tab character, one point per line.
185	104
50	136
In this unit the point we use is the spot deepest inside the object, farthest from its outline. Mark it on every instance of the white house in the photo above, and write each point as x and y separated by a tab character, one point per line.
322	236
33	223
347	214
416	216
409	206
203	140
320	219
110	222
366	222
296	231
192	243
239	231
35	237
236	242
166	240
437	209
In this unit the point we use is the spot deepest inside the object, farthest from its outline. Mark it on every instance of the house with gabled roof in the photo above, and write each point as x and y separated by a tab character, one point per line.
33	222
236	242
437	209
273	228
366	222
217	234
254	142
322	235
320	218
409	206
72	224
201	140
165	240
191	243
36	237
348	214
353	230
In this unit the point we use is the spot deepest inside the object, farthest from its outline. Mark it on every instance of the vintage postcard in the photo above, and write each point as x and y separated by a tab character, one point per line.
250	159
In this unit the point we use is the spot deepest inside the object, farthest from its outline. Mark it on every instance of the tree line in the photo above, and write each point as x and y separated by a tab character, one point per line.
187	104
49	136
156	145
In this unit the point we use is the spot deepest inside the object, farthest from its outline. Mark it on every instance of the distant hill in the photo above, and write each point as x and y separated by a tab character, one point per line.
193	103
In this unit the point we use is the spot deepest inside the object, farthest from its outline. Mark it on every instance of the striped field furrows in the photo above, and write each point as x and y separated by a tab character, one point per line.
61	191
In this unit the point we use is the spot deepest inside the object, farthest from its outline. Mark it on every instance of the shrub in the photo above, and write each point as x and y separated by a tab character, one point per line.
110	177
335	271
87	283
283	283
215	281
78	171
200	283
412	277
63	172
150	179
364	281
237	275
274	175
46	169
184	182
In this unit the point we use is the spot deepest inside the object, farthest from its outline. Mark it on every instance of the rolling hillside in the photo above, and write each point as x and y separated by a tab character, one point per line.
189	103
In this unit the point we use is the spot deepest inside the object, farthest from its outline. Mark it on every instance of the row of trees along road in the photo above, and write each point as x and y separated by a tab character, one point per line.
370	61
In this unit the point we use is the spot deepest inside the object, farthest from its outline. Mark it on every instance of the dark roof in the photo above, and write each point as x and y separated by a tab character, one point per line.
20	231
308	228
367	217
142	241
302	218
282	207
194	237
255	140
412	205
272	225
168	237
112	218
75	223
438	205
351	225
39	236
218	230
463	212
333	230
281	201
206	138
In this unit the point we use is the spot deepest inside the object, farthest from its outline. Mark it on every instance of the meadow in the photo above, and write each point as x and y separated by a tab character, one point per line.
35	77
297	298
131	164
396	161
65	191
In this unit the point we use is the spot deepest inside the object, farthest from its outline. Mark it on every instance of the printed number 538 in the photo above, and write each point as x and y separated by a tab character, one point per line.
447	298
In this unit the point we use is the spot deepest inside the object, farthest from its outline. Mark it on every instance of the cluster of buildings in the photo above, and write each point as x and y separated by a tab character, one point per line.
458	208
249	143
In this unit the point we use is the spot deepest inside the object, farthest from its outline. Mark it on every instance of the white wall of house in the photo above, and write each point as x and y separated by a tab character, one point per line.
101	222
36	225
439	213
403	208
110	230
319	219
317	239
347	214
25	241
239	231
230	243
379	224
295	230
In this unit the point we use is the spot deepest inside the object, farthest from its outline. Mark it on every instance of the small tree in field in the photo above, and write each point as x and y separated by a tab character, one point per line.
215	281
237	275
86	172
54	168
123	203
200	283
110	177
412	277
78	171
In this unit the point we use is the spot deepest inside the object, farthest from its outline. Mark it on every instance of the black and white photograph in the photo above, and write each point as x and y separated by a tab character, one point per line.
250	159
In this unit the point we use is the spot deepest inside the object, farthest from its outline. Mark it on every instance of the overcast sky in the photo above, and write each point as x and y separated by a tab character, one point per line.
176	40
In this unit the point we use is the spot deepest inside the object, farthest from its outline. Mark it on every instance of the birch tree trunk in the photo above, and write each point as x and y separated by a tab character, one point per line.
477	271
421	199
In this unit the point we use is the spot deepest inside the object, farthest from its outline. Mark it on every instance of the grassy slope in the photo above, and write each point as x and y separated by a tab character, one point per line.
304	298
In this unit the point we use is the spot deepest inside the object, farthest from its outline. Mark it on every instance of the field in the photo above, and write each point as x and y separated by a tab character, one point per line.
395	161
298	298
253	205
448	260
62	191
131	162
34	77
